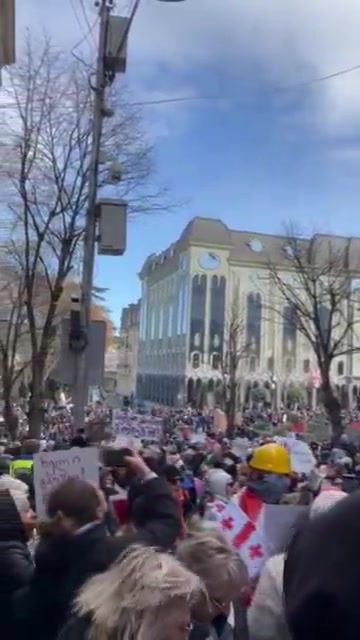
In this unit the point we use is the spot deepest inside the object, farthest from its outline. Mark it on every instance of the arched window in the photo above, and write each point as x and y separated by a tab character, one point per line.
289	329
197	313
253	322
306	366
196	360
161	322
215	360
184	324
252	364
324	322
340	368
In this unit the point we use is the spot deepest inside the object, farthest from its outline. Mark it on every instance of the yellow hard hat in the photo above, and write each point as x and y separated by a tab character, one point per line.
271	458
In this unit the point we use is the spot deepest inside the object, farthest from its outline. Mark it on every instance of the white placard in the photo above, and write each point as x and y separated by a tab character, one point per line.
302	458
53	467
136	426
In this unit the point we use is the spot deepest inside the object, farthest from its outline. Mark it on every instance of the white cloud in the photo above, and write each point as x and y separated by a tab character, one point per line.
287	41
282	42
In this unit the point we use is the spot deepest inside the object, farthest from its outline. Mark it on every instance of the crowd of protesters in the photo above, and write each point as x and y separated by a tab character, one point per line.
141	556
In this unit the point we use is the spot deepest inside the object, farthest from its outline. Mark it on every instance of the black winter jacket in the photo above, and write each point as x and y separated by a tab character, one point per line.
321	575
16	570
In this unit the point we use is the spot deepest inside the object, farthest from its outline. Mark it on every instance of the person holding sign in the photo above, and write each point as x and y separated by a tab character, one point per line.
75	544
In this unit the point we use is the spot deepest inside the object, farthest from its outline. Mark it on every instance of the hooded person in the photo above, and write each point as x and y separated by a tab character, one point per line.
146	594
321	573
220	487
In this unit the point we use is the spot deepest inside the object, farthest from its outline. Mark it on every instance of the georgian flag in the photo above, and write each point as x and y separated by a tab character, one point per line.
242	534
252	506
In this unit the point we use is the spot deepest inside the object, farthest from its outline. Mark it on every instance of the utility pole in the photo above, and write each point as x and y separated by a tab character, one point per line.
81	388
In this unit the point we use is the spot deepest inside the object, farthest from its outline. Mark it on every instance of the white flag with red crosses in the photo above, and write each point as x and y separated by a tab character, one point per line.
242	534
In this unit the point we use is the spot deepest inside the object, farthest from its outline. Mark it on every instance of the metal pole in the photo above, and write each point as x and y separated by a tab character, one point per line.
81	389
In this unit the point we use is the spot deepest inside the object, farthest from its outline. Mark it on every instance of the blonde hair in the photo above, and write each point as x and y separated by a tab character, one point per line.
208	554
128	600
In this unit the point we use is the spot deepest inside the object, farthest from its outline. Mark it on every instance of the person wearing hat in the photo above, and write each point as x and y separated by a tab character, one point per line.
268	479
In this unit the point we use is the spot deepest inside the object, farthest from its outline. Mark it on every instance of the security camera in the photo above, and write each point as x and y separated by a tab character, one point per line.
115	172
75	303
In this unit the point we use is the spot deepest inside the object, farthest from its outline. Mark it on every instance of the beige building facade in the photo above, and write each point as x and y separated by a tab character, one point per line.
187	293
128	350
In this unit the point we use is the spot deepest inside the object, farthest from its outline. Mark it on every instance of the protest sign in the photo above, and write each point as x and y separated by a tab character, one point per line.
53	467
136	426
240	446
279	525
127	441
302	458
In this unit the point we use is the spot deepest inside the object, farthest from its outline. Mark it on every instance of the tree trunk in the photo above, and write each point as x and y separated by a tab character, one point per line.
231	410
333	409
36	410
10	418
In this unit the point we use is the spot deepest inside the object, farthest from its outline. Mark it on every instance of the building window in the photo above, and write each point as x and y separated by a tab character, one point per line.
324	322
252	364
180	307
161	322
270	364
306	366
289	331
152	326
340	368
215	360
253	323
170	321
289	365
196	360
198	313
217	314
185	311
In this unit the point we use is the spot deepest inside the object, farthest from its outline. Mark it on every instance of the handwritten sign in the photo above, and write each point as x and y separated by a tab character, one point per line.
53	467
302	458
136	426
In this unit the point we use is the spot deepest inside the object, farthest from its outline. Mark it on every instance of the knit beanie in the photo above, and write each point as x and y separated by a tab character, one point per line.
11	526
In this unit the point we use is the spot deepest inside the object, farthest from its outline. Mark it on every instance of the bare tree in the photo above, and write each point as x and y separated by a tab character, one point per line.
14	352
48	127
314	287
235	350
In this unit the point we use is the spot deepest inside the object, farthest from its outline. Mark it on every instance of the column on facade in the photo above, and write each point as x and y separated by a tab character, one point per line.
313	397
242	392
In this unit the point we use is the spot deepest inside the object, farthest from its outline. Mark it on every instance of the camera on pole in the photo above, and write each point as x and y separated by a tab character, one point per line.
78	340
